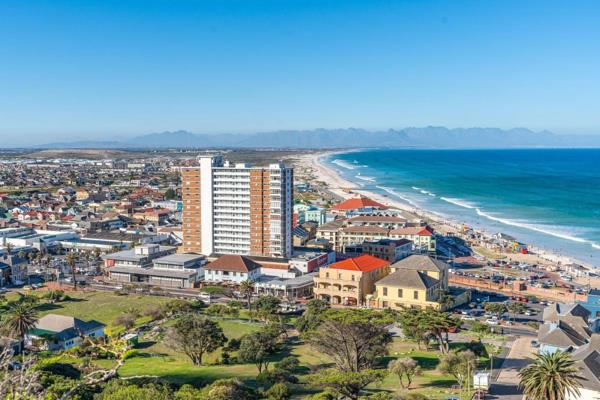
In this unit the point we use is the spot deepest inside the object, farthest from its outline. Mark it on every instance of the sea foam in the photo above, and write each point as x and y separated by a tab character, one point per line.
343	164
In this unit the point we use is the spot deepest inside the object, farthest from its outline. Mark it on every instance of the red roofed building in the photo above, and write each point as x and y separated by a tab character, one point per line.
350	281
421	236
358	203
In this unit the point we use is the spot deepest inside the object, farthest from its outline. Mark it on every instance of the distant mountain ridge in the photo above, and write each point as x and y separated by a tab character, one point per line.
428	137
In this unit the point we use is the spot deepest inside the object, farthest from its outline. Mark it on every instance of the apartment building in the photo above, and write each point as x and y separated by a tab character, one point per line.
354	231
237	208
391	250
348	282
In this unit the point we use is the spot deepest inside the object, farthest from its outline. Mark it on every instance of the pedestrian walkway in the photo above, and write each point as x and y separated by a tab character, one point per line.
506	386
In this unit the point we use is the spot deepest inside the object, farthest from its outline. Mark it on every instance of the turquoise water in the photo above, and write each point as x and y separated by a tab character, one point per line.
549	198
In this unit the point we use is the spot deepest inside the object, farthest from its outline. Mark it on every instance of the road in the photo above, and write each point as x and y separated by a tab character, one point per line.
506	386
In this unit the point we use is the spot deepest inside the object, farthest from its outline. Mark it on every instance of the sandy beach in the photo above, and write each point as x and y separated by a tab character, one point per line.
314	166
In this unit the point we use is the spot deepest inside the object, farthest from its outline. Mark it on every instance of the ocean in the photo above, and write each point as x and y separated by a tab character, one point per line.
548	198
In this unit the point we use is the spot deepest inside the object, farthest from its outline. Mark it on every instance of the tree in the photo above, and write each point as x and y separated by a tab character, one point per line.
347	384
313	316
352	338
283	372
266	307
19	319
552	376
256	348
71	260
404	367
127	320
170	194
246	291
427	323
460	365
195	335
495	308
96	252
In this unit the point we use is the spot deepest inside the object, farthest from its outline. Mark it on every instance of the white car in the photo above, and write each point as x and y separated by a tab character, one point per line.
467	318
491	321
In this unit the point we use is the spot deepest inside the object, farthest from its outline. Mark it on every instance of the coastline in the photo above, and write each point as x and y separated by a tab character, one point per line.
343	188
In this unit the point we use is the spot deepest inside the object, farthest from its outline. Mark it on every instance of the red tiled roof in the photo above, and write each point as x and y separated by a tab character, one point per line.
358	202
233	263
412	230
364	263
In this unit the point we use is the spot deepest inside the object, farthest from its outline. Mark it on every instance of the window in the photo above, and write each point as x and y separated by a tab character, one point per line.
385	304
416	295
326	274
399	292
385	291
352	277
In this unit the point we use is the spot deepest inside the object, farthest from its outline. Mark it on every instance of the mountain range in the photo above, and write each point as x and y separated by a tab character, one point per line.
427	137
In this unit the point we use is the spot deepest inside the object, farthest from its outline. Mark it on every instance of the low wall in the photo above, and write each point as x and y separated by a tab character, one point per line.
520	289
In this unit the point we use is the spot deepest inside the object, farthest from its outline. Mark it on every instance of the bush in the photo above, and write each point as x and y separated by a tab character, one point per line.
278	391
130	354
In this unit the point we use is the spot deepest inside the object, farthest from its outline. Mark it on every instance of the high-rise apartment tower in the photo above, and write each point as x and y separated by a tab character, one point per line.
237	208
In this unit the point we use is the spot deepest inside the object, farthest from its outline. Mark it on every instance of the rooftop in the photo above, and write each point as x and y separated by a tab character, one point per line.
420	263
357	203
408	279
233	263
364	263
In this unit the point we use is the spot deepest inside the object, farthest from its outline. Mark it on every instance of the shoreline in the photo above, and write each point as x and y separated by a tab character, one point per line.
343	188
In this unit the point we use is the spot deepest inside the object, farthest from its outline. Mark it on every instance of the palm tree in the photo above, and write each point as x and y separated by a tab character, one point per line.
20	319
247	290
552	376
71	259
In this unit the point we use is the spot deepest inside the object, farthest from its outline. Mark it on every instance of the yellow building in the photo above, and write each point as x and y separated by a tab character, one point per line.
348	282
416	281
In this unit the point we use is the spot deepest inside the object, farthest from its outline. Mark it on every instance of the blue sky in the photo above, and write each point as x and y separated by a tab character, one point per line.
108	69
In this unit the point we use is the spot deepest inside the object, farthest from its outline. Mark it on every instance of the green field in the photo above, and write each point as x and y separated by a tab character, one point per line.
104	307
157	359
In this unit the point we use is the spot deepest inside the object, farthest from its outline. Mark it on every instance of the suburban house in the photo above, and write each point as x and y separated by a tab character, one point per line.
416	281
592	304
60	332
348	282
231	268
565	328
587	359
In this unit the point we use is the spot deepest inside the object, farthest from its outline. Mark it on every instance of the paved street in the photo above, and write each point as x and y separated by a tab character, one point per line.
506	387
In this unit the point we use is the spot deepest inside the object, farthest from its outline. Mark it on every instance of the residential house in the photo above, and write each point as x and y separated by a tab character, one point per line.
565	328
416	281
231	269
350	281
592	304
60	332
587	361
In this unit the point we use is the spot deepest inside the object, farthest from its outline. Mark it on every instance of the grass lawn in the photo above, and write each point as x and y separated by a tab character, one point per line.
158	359
104	307
488	253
